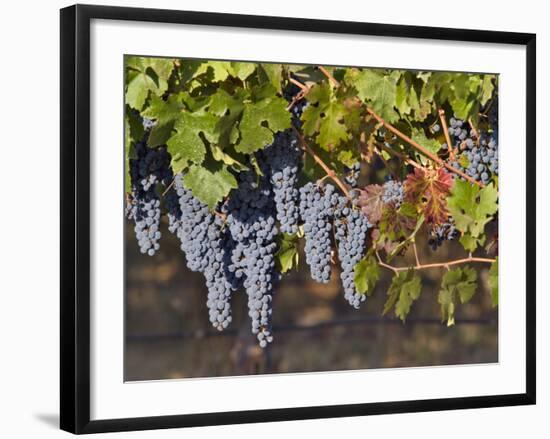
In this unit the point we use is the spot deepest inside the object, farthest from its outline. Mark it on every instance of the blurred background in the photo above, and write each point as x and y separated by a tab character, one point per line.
168	334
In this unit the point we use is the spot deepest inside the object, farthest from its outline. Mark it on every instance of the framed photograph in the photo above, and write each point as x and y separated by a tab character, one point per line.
273	218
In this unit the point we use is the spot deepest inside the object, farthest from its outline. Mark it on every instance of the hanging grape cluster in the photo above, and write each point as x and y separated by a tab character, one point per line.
478	150
234	245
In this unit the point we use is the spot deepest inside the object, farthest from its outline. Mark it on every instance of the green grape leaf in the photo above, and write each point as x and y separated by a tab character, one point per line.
331	129
472	208
146	75
160	134
273	74
487	89
133	132
430	86
347	157
406	95
378	89
325	117
406	211
222	103
242	70
469	243
367	274
186	145
165	114
460	84
457	284
254	134
405	288
401	97
229	109
189	69
464	108
431	145
221	156
493	281
463	91
424	76
287	256
209	182
397	224
217	70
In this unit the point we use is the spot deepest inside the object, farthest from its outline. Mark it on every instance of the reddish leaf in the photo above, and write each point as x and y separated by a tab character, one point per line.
428	189
382	242
370	201
396	224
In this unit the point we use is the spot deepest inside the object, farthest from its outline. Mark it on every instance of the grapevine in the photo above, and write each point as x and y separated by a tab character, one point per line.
249	164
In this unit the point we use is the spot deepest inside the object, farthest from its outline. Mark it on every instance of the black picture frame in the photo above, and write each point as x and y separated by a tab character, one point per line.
75	217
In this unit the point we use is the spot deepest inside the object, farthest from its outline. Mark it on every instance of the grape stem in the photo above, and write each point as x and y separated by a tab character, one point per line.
169	187
446	132
446	264
321	163
406	138
474	129
299	96
329	76
397	154
422	150
418	264
303	87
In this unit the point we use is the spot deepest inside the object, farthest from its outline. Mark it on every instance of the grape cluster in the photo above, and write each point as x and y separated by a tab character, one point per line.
173	210
251	217
149	167
316	209
204	241
351	233
218	279
235	245
194	222
352	174
480	151
393	193
441	233
146	214
281	162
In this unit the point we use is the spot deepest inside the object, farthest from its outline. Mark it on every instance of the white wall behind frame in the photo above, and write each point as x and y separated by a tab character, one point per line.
114	399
